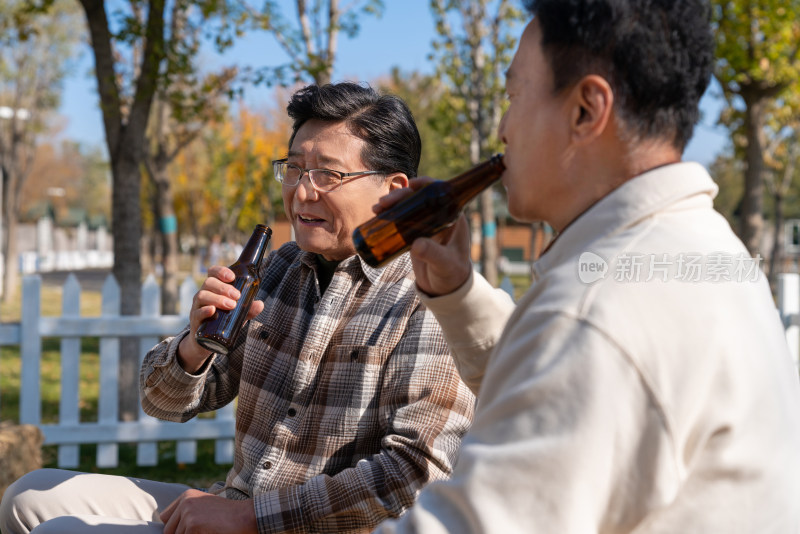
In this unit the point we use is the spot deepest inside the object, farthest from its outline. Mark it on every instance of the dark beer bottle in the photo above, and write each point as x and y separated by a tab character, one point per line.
219	332
423	214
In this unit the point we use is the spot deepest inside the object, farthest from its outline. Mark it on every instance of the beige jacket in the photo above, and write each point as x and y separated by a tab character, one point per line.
643	384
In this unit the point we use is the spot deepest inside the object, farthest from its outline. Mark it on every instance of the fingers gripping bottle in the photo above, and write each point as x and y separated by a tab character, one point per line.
425	213
219	332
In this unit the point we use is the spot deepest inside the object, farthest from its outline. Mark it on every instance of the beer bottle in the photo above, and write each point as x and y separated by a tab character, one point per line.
219	332
425	213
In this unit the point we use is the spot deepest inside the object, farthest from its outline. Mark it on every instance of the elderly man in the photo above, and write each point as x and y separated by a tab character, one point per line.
348	399
643	384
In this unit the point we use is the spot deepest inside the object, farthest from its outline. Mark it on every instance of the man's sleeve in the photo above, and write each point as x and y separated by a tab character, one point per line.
426	411
169	393
472	319
566	434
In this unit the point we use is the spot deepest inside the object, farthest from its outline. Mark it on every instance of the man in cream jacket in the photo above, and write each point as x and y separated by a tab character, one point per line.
643	384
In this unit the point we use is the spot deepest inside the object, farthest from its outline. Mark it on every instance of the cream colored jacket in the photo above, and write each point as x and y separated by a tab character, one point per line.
615	398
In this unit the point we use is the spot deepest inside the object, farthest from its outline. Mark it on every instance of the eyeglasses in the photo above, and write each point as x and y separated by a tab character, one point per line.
323	180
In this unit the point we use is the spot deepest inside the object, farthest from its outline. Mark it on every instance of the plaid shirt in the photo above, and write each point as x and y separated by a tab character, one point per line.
349	402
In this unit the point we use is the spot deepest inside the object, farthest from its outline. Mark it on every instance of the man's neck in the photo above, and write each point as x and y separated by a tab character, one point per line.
603	173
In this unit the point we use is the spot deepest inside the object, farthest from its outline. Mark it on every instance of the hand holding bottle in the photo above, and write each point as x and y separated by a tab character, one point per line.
224	304
215	293
431	209
442	262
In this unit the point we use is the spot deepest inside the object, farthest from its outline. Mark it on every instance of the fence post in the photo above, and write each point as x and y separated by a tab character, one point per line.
147	453
789	307
108	403
30	404
68	410
186	450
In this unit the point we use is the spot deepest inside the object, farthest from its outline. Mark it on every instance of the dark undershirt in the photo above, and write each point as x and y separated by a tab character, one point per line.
325	271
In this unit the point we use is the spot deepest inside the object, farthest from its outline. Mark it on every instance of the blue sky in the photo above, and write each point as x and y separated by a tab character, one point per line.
401	37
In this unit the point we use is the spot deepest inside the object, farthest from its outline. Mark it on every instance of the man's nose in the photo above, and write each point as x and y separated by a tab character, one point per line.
501	129
305	189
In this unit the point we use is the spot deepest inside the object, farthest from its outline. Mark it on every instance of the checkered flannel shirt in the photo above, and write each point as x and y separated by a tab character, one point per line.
349	402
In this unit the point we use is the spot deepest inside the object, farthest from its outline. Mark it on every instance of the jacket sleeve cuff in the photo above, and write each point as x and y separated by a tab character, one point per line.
167	371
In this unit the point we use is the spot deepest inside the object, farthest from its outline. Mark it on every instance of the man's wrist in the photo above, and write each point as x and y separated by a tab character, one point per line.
190	355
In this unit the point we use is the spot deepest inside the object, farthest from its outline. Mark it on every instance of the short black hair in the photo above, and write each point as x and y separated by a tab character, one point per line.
384	122
657	55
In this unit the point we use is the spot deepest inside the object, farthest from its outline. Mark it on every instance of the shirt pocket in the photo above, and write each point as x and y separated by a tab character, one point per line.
349	391
269	358
346	425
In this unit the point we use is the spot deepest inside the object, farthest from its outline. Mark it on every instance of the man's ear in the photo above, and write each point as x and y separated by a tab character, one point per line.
592	107
397	180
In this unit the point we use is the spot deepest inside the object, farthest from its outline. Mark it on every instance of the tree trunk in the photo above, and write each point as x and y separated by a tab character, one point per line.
752	220
13	177
127	232
477	150
488	237
11	267
777	255
125	128
168	234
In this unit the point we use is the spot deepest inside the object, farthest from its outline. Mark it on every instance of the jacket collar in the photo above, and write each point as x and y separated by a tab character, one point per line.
633	201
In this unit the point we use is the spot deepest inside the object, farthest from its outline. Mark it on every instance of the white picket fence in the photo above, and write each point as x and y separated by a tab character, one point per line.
107	432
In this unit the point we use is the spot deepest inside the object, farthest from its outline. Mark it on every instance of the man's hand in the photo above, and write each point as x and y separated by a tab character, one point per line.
216	292
197	512
441	263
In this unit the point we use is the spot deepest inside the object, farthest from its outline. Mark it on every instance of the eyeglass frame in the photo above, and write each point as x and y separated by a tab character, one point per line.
342	175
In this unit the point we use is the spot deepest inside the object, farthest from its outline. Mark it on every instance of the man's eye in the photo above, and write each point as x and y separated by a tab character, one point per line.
327	177
292	171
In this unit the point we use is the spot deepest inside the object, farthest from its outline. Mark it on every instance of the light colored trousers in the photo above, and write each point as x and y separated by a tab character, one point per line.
54	500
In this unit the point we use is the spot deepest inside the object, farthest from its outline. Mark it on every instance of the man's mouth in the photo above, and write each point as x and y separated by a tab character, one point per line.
308	219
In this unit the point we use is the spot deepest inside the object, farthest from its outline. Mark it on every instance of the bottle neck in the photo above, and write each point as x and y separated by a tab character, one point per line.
467	185
254	249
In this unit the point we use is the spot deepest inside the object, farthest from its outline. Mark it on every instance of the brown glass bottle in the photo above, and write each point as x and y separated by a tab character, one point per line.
219	332
423	214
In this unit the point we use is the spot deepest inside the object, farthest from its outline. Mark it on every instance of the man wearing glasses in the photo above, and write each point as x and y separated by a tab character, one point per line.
348	399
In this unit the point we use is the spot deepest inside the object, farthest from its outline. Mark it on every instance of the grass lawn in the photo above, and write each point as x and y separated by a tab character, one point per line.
200	474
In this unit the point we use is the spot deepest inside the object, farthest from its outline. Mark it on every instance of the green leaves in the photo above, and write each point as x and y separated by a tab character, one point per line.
311	39
475	42
757	43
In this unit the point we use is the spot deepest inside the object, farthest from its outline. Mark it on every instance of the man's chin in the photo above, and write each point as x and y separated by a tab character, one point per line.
314	246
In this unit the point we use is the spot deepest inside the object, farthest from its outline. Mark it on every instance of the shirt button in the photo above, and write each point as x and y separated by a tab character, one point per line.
354	355
263	334
267	465
292	412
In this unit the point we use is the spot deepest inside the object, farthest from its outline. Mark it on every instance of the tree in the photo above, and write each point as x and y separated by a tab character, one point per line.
423	94
185	102
778	183
34	58
758	46
781	155
239	190
244	187
311	43
80	179
126	101
472	62
727	171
